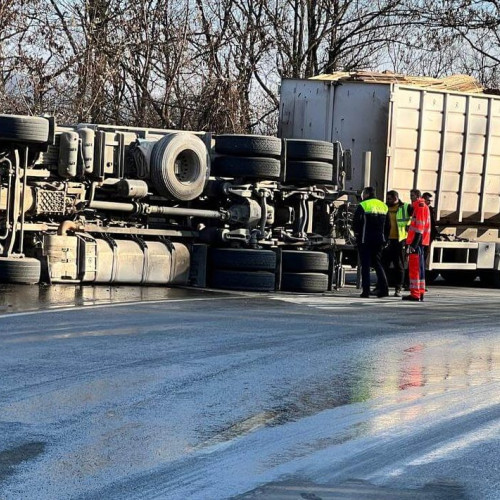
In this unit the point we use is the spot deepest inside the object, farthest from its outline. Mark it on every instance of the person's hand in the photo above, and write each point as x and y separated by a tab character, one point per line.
410	250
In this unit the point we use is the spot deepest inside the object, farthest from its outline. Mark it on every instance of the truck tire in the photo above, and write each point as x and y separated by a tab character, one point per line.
179	166
248	145
21	270
309	171
459	278
243	280
304	261
241	166
303	149
304	282
24	129
243	259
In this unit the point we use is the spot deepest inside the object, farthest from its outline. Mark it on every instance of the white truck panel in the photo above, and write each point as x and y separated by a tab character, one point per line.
306	110
355	114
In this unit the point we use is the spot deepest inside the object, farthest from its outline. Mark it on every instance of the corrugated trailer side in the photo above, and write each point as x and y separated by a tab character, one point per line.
447	143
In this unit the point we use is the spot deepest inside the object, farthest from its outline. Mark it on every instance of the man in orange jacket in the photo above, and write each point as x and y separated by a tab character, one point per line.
419	236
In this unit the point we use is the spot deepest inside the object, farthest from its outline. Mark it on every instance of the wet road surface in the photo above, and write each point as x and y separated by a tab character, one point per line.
199	394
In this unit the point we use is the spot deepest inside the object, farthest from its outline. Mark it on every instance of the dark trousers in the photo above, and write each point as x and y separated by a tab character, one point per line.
371	256
427	249
394	253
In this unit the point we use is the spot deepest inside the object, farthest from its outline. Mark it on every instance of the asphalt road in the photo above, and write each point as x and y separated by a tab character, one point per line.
191	394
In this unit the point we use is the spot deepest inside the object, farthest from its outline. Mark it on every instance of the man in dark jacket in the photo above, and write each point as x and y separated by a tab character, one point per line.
428	201
371	227
434	230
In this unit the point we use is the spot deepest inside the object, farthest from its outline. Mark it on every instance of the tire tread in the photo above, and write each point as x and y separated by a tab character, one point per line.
248	145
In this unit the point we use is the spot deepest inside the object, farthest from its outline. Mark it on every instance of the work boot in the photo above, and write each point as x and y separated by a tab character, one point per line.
421	298
365	295
411	298
375	292
383	294
397	292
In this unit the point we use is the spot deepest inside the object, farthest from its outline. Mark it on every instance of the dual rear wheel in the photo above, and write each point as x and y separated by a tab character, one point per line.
255	270
258	157
304	271
242	269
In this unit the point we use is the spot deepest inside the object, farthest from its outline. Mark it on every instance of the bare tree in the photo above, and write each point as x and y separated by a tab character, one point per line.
214	56
216	65
471	29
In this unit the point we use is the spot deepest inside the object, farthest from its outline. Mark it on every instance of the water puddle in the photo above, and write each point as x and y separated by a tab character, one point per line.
24	298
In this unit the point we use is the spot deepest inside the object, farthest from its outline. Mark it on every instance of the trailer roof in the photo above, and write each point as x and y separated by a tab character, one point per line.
460	83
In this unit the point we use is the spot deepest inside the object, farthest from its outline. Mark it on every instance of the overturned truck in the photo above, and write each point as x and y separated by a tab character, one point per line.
94	204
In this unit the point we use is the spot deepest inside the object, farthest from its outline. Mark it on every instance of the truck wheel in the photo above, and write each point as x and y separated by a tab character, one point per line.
24	129
300	261
459	278
309	171
303	149
243	280
248	145
490	278
179	166
304	282
243	259
21	270
241	166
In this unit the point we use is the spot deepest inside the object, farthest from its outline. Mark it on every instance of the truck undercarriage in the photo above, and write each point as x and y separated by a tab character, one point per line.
101	204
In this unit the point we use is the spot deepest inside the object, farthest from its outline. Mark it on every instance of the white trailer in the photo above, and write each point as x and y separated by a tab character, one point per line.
444	142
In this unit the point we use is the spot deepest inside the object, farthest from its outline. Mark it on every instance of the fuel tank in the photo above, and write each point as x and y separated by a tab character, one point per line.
83	258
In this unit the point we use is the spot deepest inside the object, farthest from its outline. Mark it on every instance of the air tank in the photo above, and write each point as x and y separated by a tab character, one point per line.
87	137
68	155
131	188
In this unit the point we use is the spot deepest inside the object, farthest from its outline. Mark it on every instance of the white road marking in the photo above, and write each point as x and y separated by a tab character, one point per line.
336	302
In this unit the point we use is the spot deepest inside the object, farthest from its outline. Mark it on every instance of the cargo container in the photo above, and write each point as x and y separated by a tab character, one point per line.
404	137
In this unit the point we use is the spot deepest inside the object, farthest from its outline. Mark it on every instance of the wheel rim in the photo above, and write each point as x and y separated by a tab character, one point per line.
187	167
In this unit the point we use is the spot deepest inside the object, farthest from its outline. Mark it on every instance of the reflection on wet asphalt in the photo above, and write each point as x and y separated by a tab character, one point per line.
211	395
16	298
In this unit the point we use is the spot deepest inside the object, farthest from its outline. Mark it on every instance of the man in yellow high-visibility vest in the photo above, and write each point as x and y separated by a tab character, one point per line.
399	214
371	227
